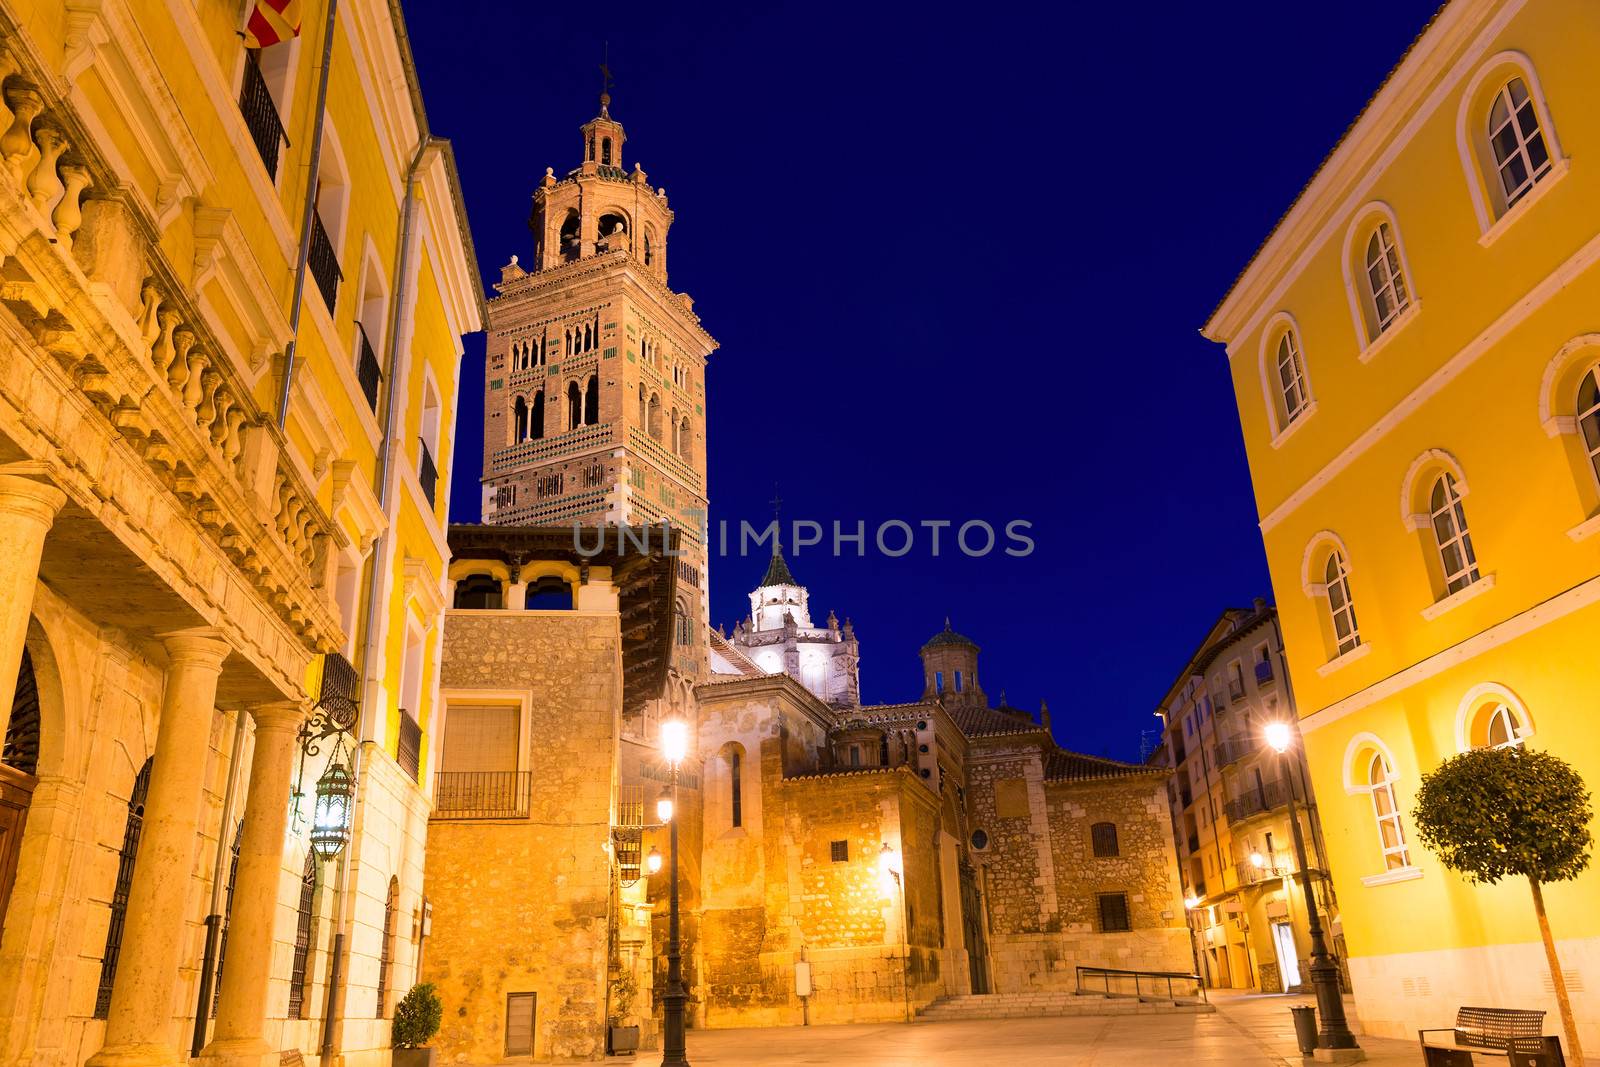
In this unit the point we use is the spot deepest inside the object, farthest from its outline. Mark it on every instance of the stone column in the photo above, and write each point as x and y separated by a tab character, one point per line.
516	595
242	1011
27	508
139	1028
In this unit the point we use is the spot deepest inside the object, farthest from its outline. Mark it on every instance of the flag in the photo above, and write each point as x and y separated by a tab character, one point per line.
271	22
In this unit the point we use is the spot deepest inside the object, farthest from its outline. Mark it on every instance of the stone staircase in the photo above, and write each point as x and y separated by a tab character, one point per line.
1031	1005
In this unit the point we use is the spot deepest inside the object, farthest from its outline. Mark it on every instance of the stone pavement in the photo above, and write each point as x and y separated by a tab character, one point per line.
1245	1031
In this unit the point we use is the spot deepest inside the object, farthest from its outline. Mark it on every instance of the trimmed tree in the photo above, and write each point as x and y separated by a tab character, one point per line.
416	1017
1494	812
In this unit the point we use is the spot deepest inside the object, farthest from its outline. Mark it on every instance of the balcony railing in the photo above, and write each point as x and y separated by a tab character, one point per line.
1250	874
482	794
1270	796
408	748
1235	690
368	373
427	473
1234	749
324	263
1264	672
260	113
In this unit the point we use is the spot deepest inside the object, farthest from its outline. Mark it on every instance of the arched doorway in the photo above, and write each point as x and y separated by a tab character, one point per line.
19	765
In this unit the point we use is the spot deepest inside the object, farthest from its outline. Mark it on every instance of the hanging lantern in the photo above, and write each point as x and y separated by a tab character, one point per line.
336	790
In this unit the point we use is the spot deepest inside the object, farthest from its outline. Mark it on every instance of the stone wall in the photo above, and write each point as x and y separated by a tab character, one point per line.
524	905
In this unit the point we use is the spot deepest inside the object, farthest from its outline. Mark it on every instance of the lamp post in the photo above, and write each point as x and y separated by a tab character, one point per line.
674	747
1335	1032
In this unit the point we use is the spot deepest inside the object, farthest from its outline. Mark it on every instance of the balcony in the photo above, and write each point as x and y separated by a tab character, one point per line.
368	373
1194	842
482	794
1236	690
427	473
1250	874
1269	797
1233	749
324	264
1264	672
408	747
260	113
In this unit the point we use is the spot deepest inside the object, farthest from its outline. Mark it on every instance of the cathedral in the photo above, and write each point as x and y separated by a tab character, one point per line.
840	861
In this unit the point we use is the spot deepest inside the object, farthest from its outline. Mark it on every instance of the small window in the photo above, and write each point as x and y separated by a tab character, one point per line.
1391	832
1104	836
549	593
1114	913
736	788
520	1012
1450	532
1386	283
1520	155
478	591
958	681
938	681
855	755
386	948
1589	419
1291	378
840	851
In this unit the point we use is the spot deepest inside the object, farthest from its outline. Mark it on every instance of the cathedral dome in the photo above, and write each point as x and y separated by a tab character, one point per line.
948	637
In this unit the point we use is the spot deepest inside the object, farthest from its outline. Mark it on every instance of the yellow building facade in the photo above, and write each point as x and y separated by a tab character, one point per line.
191	568
1413	350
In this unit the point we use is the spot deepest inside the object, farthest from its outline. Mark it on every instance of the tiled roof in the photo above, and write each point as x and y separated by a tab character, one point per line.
948	636
1064	766
778	572
988	722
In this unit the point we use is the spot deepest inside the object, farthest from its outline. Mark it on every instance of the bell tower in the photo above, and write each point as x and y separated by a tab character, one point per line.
594	403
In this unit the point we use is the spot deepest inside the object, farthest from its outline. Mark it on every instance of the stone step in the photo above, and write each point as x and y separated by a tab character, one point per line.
1024	1005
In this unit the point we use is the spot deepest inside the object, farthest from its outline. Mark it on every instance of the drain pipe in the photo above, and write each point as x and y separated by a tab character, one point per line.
379	555
208	965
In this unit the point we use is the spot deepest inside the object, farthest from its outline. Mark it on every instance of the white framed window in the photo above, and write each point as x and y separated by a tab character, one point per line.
1521	157
1341	609
1291	378
1503	730
1386	283
1385	809
1589	419
1449	521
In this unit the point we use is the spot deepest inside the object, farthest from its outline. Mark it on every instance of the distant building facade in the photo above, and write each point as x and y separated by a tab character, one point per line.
1229	795
1417	369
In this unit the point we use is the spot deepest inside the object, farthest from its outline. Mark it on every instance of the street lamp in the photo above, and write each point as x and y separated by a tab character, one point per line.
1335	1031
330	821
674	747
652	862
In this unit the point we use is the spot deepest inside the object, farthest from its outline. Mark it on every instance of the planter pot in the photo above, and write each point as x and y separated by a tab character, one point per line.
624	1040
413	1057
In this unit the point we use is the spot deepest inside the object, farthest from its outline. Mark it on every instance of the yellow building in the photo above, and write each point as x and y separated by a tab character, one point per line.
183	571
1414	354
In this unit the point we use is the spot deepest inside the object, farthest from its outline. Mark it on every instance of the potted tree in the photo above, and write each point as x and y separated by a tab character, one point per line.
416	1020
1493	812
624	1038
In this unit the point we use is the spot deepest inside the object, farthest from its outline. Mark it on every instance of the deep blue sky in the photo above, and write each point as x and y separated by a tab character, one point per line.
957	262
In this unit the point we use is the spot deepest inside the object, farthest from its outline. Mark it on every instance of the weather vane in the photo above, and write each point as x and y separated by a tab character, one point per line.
605	70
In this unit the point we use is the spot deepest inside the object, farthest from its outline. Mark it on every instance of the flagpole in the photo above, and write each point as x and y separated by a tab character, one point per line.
306	219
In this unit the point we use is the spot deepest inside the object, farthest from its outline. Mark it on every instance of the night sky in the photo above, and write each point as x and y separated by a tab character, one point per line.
957	268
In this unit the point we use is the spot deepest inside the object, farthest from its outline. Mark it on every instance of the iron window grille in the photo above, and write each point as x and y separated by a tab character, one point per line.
1114	916
260	114
427	473
1104	837
408	749
840	851
368	373
324	263
119	895
305	934
386	950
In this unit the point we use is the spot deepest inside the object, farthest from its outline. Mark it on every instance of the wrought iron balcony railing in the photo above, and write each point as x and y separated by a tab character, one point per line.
427	473
368	373
260	113
1263	672
324	263
482	794
1269	796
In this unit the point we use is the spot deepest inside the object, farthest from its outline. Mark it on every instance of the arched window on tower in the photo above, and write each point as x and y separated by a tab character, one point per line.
574	406
605	151
642	402
571	242
519	421
591	401
536	417
649	248
655	416
683	437
672	421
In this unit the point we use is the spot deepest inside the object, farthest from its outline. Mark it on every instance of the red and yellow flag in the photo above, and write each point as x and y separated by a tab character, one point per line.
271	21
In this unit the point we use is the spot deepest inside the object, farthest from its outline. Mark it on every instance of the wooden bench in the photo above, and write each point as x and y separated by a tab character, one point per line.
1513	1033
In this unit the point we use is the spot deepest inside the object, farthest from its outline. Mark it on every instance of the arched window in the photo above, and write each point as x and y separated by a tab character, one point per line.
119	893
672	421
1502	728
1341	609
682	628
1491	716
654	421
478	591
305	936
1103	836
549	593
591	401
571	244
519	421
1450	533
736	787
386	949
536	417
1386	810
1520	155
683	437
605	151
649	248
1589	418
1386	283
22	730
642	401
1292	393
574	406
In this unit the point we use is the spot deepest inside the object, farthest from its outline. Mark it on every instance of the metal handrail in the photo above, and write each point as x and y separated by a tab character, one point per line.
482	794
1106	974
